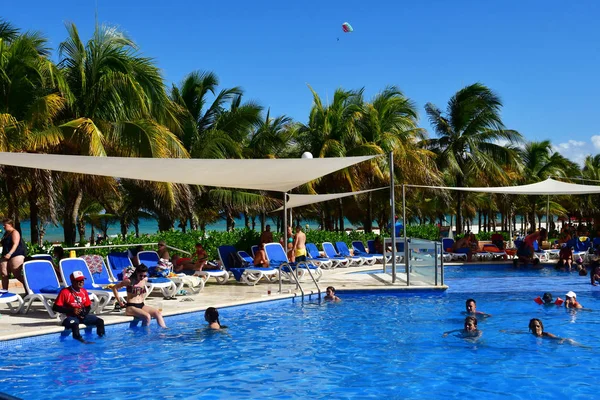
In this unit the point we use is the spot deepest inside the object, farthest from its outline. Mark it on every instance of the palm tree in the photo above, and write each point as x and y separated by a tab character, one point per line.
119	107
30	98
389	124
468	133
540	162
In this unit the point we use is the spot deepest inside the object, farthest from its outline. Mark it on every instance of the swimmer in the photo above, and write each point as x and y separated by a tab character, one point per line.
211	315
547	300
331	295
470	330
571	301
536	327
471	309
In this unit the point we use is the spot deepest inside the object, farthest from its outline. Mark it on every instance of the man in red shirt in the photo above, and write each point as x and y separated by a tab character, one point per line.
74	302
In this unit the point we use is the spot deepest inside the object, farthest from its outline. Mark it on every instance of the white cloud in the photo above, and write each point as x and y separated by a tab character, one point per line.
576	150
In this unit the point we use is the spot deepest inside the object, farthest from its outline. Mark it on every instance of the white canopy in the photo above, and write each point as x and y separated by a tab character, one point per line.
278	175
547	187
298	200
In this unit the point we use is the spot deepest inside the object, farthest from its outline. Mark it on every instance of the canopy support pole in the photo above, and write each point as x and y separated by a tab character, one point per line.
392	219
548	215
404	225
284	231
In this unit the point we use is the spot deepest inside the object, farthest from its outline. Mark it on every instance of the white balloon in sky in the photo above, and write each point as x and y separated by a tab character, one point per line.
307	154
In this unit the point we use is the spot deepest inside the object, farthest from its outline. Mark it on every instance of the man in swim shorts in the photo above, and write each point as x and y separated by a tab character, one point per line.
299	248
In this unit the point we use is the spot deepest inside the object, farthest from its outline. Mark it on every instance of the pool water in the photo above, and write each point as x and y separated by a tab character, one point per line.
368	346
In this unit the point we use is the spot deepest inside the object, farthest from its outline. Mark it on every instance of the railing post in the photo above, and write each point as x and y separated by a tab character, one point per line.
436	263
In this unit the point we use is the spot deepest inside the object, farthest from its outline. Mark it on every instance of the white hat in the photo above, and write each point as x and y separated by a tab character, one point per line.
571	294
77	276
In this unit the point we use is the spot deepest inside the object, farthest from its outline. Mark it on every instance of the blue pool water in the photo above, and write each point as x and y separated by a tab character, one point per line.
368	346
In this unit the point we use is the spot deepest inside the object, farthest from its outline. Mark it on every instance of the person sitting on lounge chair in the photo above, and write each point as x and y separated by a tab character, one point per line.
260	258
74	302
198	263
565	258
464	243
526	251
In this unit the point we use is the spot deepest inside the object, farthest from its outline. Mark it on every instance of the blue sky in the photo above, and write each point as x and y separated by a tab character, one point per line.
541	57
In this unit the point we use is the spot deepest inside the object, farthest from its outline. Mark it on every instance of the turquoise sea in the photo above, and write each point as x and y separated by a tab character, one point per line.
149	226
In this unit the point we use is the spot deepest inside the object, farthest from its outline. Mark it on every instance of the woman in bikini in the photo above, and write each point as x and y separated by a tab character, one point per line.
136	289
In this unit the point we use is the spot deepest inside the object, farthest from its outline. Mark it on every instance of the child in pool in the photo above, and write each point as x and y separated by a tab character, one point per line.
470	330
571	300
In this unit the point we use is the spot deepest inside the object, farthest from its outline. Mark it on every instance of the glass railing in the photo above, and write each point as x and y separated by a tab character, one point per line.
425	262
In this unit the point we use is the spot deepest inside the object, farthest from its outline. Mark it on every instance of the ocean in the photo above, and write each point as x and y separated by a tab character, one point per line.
148	226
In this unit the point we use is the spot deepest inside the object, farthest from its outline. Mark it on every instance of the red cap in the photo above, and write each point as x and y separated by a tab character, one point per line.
77	276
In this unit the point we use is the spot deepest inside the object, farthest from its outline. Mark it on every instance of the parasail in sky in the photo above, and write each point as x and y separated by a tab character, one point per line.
346	27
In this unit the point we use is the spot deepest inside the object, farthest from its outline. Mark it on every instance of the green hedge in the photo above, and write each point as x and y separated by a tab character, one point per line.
242	239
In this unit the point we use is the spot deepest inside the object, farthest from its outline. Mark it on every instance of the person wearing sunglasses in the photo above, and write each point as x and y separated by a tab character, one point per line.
74	304
136	292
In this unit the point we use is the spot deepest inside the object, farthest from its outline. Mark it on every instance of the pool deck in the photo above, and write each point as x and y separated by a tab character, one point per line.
37	321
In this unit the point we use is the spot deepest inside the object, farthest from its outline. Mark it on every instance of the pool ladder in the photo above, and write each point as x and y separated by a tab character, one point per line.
295	275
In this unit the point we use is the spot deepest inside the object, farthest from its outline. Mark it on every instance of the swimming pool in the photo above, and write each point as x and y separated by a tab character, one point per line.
369	345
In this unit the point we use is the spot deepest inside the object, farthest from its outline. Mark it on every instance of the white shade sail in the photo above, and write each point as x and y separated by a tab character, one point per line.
298	200
278	175
547	187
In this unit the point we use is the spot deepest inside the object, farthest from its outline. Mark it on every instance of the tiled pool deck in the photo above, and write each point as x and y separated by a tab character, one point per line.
37	321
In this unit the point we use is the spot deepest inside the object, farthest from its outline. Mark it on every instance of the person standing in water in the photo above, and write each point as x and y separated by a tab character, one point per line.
211	315
471	309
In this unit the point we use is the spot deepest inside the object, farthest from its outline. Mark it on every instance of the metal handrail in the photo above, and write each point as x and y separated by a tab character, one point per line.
312	276
298	285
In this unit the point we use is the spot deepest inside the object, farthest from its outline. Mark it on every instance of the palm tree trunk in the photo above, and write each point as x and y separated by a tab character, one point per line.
479	217
342	229
136	226
124	226
263	221
368	222
253	222
81	229
246	221
459	227
70	217
533	213
34	210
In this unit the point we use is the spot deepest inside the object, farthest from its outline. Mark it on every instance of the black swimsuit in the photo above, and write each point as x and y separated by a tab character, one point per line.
7	244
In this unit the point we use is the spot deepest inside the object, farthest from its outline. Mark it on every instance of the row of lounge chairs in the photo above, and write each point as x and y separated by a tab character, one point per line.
43	285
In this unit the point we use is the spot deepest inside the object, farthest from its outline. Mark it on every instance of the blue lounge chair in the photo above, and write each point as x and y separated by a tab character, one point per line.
254	249
151	259
68	265
277	258
314	256
46	257
117	262
42	285
453	255
359	249
332	254
98	269
344	251
247	274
